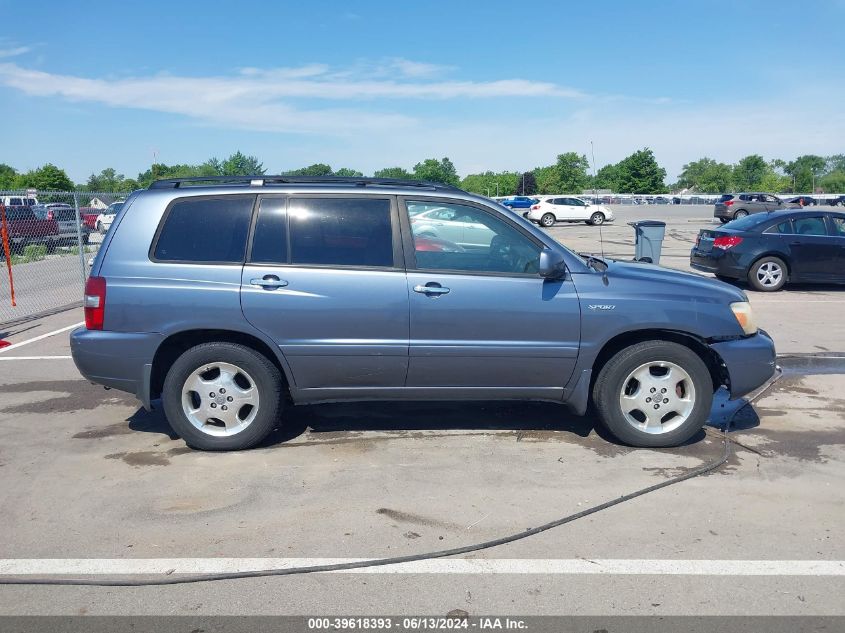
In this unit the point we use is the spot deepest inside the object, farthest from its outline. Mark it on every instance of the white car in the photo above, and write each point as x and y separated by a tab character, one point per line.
446	224
104	220
568	209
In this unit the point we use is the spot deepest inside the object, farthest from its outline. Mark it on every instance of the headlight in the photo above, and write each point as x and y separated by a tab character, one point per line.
744	316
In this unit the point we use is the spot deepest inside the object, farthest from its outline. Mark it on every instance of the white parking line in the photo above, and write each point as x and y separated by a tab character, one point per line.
578	566
2	358
43	336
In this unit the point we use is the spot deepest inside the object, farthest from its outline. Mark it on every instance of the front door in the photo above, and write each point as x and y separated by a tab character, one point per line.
324	280
814	252
482	317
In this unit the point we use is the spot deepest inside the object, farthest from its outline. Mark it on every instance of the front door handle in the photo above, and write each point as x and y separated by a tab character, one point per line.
268	282
431	288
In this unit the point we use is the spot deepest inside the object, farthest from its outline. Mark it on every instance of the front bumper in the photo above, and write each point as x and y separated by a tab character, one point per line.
118	360
750	361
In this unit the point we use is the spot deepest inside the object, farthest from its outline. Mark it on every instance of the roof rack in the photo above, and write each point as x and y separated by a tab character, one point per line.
261	181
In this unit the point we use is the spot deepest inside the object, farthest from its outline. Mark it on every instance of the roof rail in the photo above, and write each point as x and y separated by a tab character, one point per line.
260	181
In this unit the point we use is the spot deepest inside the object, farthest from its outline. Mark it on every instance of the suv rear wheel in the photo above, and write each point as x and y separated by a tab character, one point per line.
740	214
654	394
547	219
222	396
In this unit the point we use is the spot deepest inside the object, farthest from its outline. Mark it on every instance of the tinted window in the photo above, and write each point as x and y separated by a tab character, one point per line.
64	215
745	224
725	197
810	226
270	241
341	231
784	228
206	230
21	213
838	225
15	201
475	241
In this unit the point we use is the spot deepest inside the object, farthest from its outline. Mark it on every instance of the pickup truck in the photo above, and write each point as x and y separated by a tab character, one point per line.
25	228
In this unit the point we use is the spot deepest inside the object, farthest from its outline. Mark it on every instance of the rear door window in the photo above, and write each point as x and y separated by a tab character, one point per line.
341	232
783	228
206	230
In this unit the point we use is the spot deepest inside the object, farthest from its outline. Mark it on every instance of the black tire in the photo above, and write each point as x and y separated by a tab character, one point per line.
740	214
757	279
613	376
267	378
547	220
724	220
596	219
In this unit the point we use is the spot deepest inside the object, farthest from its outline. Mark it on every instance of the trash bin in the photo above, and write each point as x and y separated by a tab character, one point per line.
649	240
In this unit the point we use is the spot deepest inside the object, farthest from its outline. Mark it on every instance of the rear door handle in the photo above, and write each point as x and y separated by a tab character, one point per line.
268	282
431	288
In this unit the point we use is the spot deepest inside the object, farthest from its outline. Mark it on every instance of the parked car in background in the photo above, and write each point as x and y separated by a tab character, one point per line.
803	201
661	200
65	217
568	209
519	202
838	201
232	302
25	227
18	201
772	249
105	219
732	206
450	226
89	216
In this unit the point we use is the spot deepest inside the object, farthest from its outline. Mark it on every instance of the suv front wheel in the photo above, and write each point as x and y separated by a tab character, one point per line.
654	394
222	396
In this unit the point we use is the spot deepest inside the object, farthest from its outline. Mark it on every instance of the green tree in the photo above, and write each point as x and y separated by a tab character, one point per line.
160	171
805	171
393	172
836	163
571	169
110	180
237	164
750	173
834	182
492	184
46	178
527	184
347	172
706	175
8	176
317	169
640	173
434	170
607	178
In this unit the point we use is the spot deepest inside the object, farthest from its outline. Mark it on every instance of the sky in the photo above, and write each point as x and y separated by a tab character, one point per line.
492	85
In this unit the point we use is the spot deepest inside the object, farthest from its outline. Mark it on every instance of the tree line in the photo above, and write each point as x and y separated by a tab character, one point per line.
638	173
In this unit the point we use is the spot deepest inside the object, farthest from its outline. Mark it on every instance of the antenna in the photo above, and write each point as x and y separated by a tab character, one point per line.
601	237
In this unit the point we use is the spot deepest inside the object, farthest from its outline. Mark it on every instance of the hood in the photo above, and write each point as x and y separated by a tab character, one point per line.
644	273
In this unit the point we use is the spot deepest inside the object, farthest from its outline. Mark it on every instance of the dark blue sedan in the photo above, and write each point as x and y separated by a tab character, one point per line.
770	249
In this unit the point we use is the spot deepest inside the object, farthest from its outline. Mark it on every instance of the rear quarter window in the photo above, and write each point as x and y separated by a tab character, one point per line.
205	230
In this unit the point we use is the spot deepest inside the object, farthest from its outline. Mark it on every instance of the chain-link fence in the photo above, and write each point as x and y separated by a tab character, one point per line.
47	244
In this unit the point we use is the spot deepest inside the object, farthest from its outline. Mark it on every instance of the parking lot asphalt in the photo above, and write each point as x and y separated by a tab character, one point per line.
93	482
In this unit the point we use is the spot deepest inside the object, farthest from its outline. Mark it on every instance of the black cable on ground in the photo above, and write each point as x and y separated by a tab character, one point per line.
379	562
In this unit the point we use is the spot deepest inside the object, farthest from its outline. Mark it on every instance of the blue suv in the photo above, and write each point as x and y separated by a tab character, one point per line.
231	299
519	202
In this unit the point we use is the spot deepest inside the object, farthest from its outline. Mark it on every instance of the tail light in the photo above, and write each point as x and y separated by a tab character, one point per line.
49	215
698	239
727	241
535	207
728	203
95	303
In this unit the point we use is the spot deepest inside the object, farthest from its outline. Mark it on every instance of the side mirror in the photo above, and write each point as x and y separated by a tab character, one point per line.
552	264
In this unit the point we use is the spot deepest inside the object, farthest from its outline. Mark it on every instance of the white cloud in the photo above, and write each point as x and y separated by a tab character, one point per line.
14	52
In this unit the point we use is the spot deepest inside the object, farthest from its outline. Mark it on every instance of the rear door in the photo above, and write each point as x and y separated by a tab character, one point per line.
837	229
324	279
814	252
482	317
